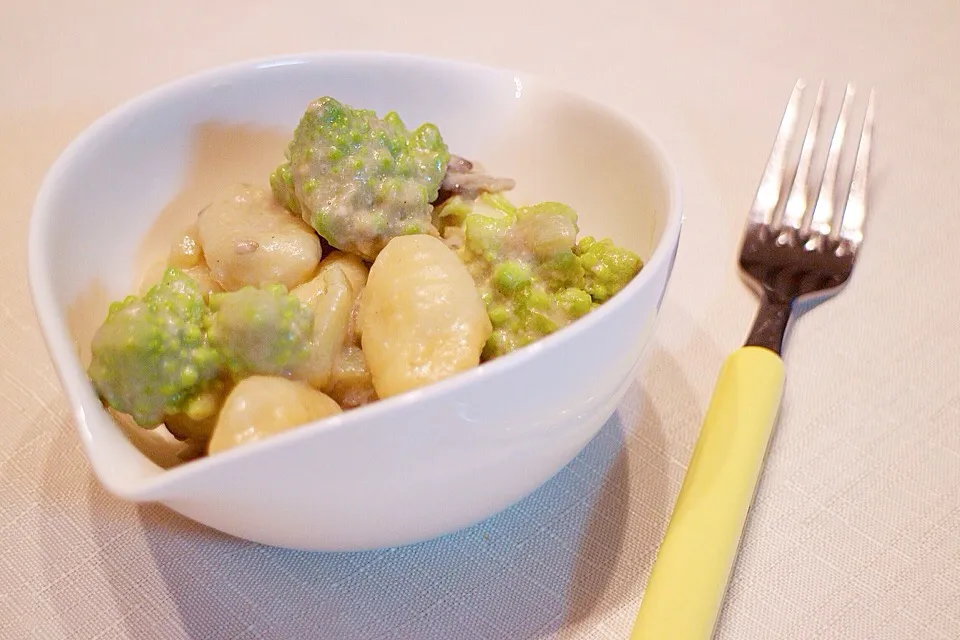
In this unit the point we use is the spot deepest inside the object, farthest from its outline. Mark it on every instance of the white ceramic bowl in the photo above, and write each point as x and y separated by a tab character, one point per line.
411	467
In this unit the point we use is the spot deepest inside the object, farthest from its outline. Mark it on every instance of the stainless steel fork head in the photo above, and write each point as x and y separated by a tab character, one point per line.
798	252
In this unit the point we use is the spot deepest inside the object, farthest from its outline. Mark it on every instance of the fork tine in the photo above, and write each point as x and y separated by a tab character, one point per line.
768	194
823	212
851	229
798	202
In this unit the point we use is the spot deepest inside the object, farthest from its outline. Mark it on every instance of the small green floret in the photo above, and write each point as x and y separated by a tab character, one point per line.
260	331
281	182
533	275
510	276
151	356
524	266
575	302
607	267
484	235
360	180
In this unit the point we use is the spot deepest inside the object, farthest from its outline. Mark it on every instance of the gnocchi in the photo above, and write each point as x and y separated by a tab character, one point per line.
262	406
352	267
350	383
332	300
248	239
421	316
186	254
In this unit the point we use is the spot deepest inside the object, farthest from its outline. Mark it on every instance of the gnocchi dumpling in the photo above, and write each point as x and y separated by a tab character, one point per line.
350	383
249	239
202	275
185	252
353	267
421	317
186	255
332	300
263	406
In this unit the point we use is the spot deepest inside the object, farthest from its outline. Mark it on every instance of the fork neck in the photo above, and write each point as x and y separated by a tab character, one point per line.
770	326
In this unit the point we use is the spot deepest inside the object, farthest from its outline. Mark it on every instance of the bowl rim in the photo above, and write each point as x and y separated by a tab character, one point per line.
56	332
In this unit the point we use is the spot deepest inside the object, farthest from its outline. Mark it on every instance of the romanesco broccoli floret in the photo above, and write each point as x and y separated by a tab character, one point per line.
360	180
151	355
607	267
260	331
531	272
522	261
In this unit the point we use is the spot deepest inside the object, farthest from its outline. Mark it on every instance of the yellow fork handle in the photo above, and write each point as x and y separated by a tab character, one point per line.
689	578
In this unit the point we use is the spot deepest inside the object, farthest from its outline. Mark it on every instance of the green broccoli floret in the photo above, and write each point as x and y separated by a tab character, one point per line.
260	331
360	180
532	274
522	261
608	268
151	355
281	183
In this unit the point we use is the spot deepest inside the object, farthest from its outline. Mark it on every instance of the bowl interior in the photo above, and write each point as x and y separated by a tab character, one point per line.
112	203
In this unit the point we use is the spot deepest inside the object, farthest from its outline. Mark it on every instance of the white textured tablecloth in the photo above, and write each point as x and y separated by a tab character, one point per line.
856	529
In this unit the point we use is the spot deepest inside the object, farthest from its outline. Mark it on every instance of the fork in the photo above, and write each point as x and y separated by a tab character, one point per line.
795	254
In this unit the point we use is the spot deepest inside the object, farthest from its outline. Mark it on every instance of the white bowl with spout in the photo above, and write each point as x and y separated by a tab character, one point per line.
401	470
